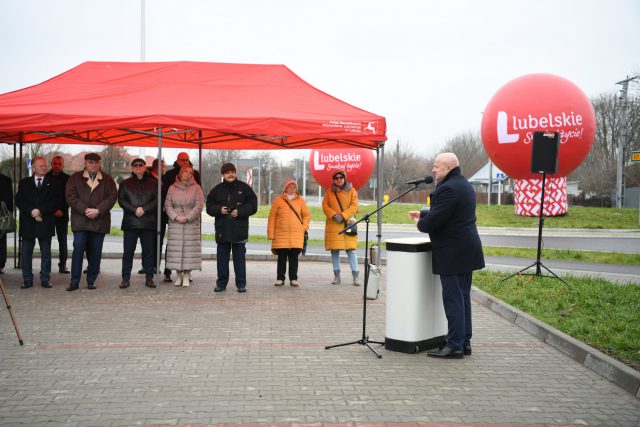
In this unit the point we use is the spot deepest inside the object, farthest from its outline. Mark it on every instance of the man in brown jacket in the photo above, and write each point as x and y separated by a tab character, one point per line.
91	194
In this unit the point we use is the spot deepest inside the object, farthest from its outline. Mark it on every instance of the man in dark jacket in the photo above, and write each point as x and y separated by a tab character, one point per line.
457	250
231	202
62	213
6	196
38	197
138	198
91	194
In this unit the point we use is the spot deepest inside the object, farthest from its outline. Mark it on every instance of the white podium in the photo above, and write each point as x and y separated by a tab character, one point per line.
415	314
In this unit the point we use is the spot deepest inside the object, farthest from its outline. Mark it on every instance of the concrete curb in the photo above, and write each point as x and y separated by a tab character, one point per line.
605	366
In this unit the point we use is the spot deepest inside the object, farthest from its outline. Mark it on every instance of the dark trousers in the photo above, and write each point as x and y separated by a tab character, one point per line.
130	241
28	244
292	256
3	250
239	264
163	229
62	225
456	297
91	243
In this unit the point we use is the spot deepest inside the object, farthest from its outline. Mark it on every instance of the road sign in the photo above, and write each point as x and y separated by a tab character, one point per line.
635	157
500	176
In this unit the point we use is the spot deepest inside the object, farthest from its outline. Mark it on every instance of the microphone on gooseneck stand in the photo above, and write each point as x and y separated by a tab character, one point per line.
426	180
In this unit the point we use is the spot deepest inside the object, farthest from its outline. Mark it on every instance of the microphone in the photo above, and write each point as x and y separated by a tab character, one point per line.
426	180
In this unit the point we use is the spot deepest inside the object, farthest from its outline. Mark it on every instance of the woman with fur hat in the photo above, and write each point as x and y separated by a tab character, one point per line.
288	220
340	204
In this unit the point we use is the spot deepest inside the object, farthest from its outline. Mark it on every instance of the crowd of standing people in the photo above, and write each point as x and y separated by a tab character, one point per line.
49	200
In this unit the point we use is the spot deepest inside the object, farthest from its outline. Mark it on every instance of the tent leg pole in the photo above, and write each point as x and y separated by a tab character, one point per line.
159	214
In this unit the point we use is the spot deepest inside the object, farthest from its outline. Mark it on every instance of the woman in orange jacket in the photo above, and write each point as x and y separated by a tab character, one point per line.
288	220
340	204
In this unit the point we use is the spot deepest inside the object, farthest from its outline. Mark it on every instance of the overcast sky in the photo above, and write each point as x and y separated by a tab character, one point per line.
429	67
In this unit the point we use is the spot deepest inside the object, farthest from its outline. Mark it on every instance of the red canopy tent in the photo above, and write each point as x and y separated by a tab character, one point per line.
212	105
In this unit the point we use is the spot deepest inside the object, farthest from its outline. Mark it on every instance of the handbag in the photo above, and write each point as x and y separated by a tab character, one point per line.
353	231
306	233
7	221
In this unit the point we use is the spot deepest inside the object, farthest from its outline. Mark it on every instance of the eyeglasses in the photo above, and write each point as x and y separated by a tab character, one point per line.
138	165
338	177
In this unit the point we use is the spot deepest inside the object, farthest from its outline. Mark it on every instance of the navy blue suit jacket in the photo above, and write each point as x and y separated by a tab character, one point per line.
451	224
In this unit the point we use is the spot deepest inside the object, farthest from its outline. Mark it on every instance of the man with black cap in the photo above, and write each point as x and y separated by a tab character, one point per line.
138	198
231	202
91	194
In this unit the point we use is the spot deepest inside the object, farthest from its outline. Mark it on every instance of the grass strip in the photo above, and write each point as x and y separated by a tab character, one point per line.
597	312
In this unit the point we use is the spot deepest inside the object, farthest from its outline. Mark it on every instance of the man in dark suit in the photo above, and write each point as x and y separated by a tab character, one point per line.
62	213
6	196
456	250
38	197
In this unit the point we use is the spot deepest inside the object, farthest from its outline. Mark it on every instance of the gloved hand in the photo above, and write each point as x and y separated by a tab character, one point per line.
338	218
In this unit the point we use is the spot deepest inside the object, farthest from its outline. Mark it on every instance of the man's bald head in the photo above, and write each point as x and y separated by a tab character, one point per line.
443	163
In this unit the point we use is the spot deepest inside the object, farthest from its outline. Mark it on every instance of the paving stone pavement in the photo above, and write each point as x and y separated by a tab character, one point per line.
189	356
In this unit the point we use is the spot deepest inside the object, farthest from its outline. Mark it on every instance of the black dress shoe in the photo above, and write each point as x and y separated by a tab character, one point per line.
218	289
167	277
91	286
446	353
242	290
2	270
64	270
71	288
149	283
46	285
467	350
124	284
26	285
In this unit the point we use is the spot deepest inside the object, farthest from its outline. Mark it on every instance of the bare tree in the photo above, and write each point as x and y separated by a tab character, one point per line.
469	150
597	174
212	161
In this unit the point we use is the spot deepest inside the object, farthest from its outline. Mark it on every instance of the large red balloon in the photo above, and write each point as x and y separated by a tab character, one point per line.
356	162
537	102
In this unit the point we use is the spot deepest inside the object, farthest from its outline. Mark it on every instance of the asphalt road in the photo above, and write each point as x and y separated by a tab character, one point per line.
598	240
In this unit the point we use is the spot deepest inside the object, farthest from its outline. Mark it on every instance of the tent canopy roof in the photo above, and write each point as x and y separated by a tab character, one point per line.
217	105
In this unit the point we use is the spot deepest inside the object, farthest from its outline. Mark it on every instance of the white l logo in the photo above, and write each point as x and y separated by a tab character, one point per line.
316	164
503	136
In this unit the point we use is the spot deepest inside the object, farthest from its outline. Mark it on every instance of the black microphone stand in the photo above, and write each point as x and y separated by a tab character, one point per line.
537	262
364	340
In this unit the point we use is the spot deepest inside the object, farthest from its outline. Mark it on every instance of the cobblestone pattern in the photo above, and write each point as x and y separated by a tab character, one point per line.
185	356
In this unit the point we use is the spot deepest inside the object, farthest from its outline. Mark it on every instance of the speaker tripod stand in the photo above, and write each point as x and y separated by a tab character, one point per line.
13	320
537	264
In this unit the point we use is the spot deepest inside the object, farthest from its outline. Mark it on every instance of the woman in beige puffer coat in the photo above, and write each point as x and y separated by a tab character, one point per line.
183	206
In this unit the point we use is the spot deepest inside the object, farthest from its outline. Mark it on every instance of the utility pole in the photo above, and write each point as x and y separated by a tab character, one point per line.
622	139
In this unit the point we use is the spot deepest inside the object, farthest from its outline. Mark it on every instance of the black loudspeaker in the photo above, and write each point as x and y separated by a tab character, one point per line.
544	153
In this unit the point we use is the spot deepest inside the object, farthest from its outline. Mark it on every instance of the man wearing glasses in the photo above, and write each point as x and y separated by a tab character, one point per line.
167	181
91	194
138	198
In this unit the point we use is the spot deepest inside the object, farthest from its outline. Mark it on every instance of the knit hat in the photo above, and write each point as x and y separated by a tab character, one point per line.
339	171
290	181
227	167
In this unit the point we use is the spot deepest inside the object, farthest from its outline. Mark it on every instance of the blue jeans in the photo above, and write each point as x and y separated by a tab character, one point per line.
28	244
351	254
239	264
148	256
456	298
91	243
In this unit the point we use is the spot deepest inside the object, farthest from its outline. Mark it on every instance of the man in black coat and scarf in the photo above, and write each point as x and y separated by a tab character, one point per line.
456	250
231	202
